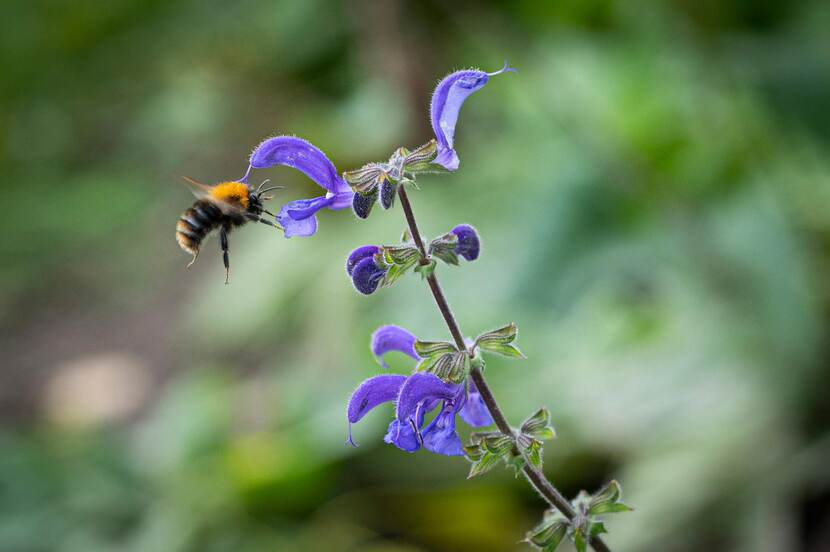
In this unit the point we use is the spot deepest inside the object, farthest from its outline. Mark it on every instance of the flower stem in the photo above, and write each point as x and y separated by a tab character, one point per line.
535	477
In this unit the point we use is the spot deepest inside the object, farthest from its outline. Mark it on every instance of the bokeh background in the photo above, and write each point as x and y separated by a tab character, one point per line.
652	188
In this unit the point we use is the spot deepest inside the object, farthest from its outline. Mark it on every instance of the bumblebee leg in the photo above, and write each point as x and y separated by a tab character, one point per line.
193	260
223	242
255	218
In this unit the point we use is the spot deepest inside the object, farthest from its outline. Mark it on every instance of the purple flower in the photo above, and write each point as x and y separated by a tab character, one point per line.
298	218
416	396
447	100
393	338
364	270
469	244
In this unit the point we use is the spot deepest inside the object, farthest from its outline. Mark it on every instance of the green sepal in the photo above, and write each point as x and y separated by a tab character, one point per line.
406	237
473	452
515	461
366	178
580	542
477	437
505	334
426	270
405	254
444	247
497	444
549	534
533	453
503	349
538	425
607	500
485	463
450	367
597	528
499	341
419	160
431	348
393	274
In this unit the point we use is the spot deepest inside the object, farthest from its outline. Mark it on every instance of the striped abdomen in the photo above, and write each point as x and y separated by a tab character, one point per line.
196	223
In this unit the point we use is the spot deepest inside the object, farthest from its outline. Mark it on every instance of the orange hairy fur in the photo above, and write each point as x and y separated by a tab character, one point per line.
235	193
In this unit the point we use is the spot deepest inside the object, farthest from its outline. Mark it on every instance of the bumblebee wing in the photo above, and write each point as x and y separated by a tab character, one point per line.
202	191
199	190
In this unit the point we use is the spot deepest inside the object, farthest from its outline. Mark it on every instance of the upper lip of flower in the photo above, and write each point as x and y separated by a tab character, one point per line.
447	98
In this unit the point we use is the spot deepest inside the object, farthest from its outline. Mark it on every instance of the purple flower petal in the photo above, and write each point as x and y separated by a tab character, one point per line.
469	244
422	387
393	338
474	412
369	394
301	155
358	255
341	200
447	100
366	276
440	437
293	227
303	208
402	436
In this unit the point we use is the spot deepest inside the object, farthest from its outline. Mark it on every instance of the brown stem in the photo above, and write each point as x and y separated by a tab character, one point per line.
534	476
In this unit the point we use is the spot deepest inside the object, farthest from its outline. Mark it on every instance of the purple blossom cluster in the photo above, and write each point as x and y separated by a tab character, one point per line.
415	397
299	217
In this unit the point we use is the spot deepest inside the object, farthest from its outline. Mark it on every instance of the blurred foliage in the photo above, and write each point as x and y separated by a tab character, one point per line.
652	192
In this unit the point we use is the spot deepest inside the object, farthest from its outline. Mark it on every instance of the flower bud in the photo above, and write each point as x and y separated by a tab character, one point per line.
469	244
358	255
363	202
367	275
388	189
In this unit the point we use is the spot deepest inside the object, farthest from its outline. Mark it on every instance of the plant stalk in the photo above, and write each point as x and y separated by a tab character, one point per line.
535	477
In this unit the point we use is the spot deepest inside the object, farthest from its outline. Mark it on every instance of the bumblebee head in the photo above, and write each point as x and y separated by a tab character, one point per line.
256	197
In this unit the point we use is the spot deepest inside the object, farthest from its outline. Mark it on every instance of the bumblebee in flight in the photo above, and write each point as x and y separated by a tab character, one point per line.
223	207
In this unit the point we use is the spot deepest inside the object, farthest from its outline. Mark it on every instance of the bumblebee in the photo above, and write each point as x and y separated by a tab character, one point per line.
223	206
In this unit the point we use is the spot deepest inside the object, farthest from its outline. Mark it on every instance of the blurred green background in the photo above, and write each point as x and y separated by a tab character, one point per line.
652	189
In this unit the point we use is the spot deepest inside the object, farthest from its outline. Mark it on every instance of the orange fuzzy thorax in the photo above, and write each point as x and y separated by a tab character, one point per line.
235	193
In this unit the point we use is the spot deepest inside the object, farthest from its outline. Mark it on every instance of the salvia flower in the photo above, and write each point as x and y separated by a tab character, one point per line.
298	217
469	244
365	269
447	100
416	396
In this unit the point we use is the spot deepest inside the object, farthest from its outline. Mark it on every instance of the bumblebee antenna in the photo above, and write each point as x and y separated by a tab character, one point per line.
269	189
